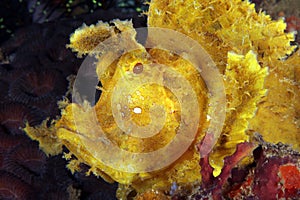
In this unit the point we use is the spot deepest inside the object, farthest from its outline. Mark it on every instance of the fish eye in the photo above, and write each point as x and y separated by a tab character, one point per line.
138	68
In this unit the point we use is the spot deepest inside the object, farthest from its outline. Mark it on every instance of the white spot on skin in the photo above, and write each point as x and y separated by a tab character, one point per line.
208	117
137	110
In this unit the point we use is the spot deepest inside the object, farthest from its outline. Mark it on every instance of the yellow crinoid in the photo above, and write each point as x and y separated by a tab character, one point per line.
152	89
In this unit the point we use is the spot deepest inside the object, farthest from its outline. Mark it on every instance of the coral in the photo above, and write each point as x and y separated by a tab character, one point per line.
55	172
273	162
13	188
38	86
275	169
4	91
213	186
8	142
27	162
290	176
8	75
14	116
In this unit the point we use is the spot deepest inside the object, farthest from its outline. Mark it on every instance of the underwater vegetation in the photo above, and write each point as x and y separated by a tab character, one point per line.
258	146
